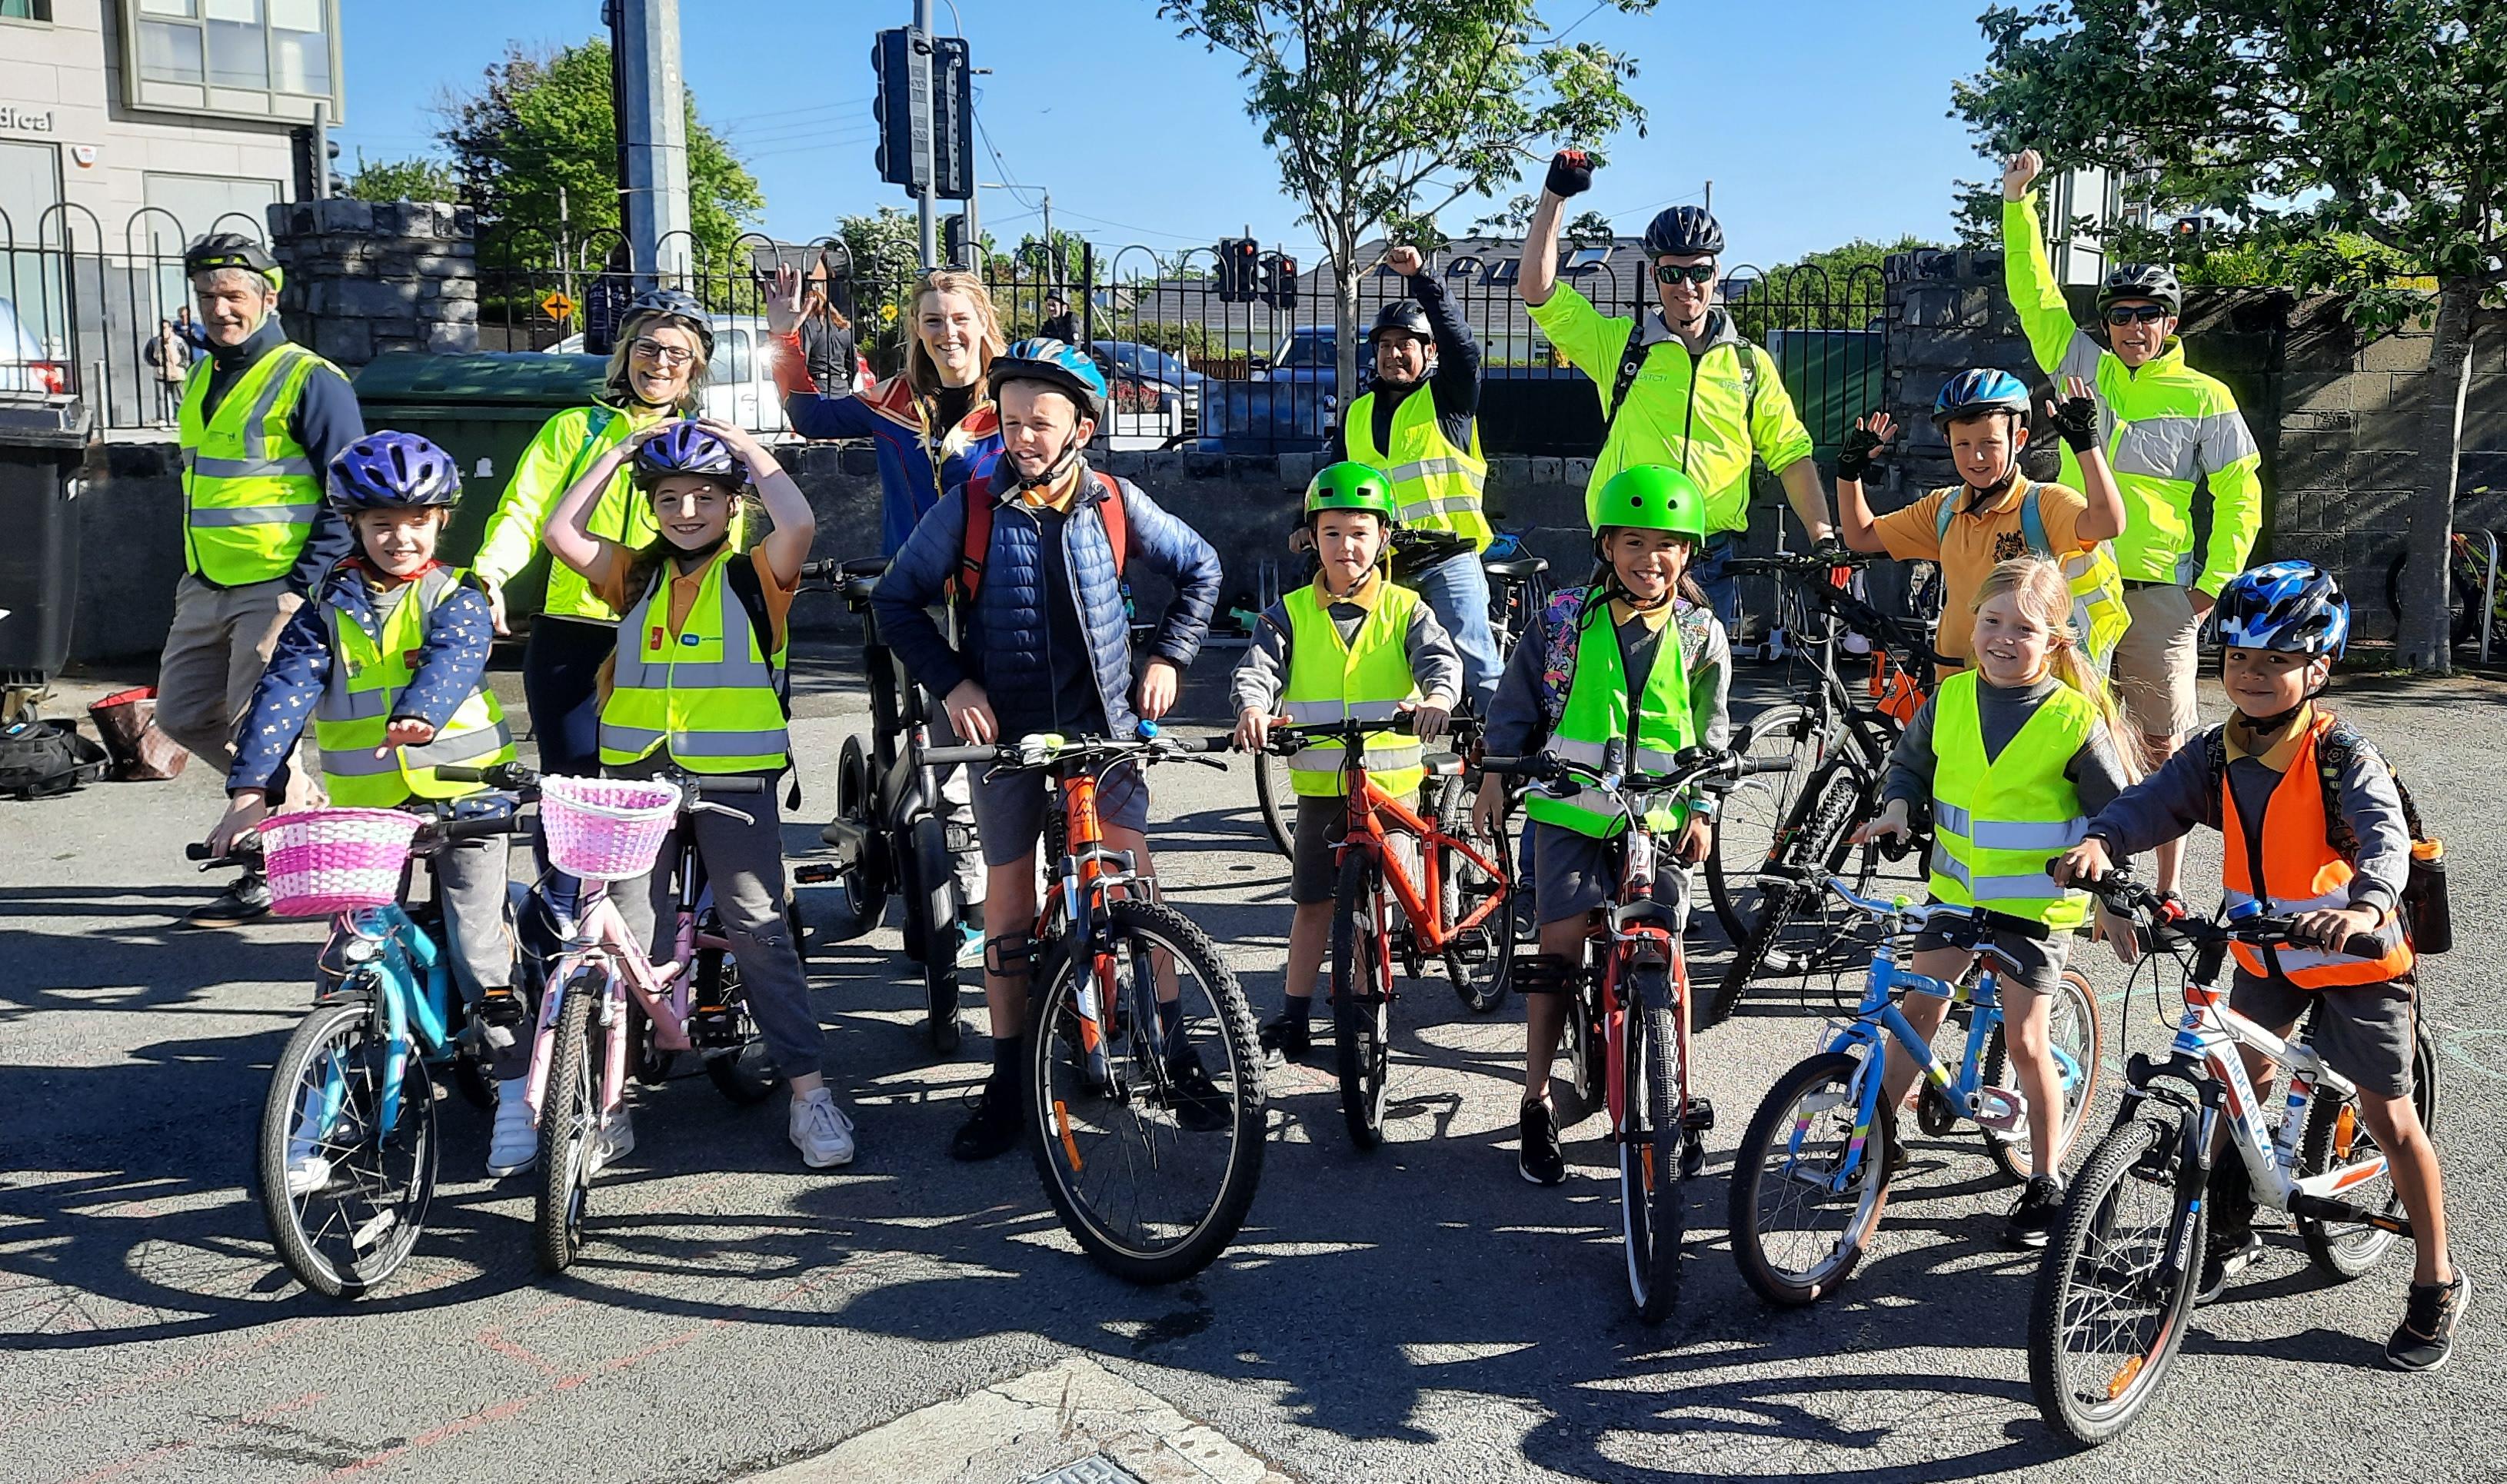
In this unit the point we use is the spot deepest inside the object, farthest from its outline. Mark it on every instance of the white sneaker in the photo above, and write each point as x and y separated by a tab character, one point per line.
307	1174
515	1144
820	1131
307	1168
613	1140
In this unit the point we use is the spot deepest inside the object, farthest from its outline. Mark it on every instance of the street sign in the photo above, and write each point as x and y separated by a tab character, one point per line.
557	307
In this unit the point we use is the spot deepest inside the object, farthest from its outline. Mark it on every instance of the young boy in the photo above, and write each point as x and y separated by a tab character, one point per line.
1350	646
1044	646
387	662
2256	779
2001	514
1649	665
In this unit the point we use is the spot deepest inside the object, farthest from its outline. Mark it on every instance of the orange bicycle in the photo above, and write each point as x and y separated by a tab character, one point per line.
1452	911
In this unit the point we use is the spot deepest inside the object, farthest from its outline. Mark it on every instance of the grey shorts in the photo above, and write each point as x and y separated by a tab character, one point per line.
1314	861
2363	1032
2041	964
1575	874
1009	809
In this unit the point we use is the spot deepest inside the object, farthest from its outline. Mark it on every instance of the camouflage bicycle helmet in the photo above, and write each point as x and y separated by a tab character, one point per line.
2292	607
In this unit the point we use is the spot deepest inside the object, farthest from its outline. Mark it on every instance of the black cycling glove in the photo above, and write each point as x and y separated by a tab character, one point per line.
2076	419
1854	457
1571	174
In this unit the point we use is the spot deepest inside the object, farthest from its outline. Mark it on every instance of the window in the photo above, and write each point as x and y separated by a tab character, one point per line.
1504	272
207	204
1462	267
730	367
25	9
1586	260
260	58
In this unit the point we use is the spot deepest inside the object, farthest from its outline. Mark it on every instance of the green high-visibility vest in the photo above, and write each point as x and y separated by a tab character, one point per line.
368	673
1436	486
250	490
1366	679
1597	710
1997	824
713	695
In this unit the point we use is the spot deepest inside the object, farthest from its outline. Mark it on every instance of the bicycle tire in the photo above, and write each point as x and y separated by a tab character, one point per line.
1361	992
2010	1155
569	1113
1049	1135
934	884
865	883
1277	798
1794	1288
2463	589
1652	1202
2090	1214
1813	842
471	1079
743	1073
1481	987
301	1252
2346	1251
1735	856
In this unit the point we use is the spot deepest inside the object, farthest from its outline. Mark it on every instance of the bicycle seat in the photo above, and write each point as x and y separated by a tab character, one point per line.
1516	568
865	566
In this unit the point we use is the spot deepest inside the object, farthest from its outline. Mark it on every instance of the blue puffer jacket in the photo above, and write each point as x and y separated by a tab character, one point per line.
1007	644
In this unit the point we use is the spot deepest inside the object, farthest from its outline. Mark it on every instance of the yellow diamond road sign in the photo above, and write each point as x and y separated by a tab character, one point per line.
557	307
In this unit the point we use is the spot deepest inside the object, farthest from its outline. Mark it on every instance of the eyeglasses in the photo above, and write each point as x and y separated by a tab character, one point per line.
646	349
2136	315
1699	274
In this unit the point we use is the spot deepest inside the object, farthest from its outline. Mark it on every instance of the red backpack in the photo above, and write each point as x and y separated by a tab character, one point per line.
978	542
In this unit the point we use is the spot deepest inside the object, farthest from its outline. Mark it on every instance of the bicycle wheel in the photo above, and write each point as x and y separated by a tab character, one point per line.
1362	990
864	884
1151	1166
1808	850
360	1190
2463	593
569	1120
2079	1041
741	1071
1479	964
1796	1235
1749	821
2106	1319
1653	1216
2337	1136
934	884
1278	799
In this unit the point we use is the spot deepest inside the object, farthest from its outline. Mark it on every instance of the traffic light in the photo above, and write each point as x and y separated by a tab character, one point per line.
2186	228
1239	266
902	108
317	181
956	249
953	120
338	183
1279	282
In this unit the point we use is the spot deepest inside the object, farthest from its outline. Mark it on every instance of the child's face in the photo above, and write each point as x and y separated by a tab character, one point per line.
1348	542
693	512
400	542
2011	644
1647	562
2266	682
1984	448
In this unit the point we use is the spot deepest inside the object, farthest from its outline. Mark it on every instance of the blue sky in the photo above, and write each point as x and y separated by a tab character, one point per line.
1817	120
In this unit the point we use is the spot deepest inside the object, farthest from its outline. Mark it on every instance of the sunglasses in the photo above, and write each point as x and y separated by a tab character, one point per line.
660	354
1699	274
2139	314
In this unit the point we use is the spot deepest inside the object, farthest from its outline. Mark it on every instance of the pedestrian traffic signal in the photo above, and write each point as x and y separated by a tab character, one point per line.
2187	228
956	248
1279	282
1239	270
953	120
902	108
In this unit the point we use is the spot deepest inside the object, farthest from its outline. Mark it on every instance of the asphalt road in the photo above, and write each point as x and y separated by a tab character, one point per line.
1415	1314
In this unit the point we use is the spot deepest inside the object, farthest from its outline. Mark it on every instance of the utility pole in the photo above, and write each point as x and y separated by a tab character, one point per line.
928	198
1052	250
654	133
322	151
1710	197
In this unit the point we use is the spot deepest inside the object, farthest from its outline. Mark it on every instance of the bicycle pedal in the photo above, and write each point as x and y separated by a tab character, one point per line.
813	875
959	838
714	1029
1699	1118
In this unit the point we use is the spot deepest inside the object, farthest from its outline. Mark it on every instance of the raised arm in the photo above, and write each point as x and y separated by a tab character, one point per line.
2075	417
1571	174
2028	275
796	525
1855	525
569	531
1456	383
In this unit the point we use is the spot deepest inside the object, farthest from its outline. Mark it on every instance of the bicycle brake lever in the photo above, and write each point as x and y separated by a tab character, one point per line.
707	806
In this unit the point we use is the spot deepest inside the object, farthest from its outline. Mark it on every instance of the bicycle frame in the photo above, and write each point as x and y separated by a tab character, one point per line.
1086	872
2207	1037
382	946
1638	936
1422	903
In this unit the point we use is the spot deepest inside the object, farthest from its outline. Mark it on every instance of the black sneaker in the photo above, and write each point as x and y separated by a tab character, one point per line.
1198	1103
1542	1162
245	899
2427	1333
2225	1254
2033	1216
1290	1040
1894	1161
994	1131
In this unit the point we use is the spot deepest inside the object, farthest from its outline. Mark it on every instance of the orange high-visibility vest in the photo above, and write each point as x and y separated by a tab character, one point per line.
2300	871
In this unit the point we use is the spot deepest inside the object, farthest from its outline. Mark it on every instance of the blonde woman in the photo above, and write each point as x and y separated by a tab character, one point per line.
664	343
934	426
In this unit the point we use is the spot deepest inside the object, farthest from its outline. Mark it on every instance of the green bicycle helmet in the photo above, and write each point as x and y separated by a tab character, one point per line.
1351	486
1649	497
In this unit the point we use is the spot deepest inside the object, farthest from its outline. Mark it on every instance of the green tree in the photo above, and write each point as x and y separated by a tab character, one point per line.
1383	112
2383	118
419	179
535	146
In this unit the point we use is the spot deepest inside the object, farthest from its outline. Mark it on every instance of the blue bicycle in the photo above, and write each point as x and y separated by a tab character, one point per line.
1812	1173
346	1155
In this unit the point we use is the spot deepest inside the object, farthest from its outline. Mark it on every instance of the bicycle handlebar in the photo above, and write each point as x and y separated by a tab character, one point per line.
1805	561
1965	926
1045	749
2166	914
1692	765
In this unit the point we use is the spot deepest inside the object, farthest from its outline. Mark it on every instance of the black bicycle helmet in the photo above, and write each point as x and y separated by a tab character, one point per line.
1684	231
2143	281
231	249
1403	314
676	304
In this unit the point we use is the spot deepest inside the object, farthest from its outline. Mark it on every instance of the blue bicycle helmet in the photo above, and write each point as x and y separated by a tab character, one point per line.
667	304
1982	390
393	471
686	447
1065	368
2292	607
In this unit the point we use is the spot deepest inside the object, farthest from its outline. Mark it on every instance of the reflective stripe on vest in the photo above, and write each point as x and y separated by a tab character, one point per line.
368	673
1366	679
1997	824
1597	712
1436	486
2301	872
250	490
718	710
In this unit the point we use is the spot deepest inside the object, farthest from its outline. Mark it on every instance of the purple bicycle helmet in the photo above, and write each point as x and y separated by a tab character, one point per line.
393	471
686	447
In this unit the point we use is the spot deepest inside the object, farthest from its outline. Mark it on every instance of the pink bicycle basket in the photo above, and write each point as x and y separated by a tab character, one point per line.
325	860
606	829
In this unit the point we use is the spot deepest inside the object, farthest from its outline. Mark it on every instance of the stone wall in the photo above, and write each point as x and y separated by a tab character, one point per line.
364	277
